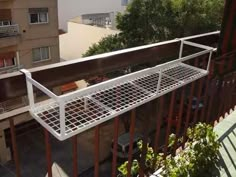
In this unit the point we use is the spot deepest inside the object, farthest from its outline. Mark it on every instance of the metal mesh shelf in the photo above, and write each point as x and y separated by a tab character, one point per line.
73	113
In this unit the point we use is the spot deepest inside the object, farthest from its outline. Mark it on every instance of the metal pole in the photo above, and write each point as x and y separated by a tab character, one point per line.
48	152
29	87
180	115
115	145
159	81
14	147
209	61
170	117
181	49
75	155
96	151
158	126
62	117
131	140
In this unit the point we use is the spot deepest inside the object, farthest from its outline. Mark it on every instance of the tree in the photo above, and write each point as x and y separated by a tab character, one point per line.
106	44
148	21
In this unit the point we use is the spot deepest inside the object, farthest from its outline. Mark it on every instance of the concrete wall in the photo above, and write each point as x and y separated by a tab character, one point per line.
79	38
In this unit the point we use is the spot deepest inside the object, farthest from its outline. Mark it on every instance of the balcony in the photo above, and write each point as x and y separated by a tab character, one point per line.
146	101
9	35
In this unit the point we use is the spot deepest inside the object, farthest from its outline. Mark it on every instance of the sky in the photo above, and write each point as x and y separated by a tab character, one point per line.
68	9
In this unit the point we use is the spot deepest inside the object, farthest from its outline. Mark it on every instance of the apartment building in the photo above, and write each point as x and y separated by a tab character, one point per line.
28	38
74	8
28	34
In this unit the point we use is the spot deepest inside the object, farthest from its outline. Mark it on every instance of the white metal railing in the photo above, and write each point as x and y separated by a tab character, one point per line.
9	30
70	114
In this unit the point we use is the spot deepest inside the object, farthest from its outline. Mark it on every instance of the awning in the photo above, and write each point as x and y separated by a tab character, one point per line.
5	14
7	55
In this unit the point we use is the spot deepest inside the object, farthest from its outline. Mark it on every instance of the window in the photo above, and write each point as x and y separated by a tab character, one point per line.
38	16
7	62
124	2
41	54
5	22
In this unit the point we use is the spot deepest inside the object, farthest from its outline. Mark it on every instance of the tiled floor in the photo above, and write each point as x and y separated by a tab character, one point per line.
226	130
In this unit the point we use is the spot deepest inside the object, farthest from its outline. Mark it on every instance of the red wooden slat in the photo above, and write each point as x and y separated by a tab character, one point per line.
189	110
158	125
180	115
203	111
210	103
170	117
48	152
14	147
145	127
96	151
75	155
131	131
198	100
115	145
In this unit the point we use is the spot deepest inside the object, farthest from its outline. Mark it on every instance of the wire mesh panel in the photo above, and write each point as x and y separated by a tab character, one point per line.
75	112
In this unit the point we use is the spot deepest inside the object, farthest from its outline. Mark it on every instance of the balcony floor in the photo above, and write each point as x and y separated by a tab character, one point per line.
226	130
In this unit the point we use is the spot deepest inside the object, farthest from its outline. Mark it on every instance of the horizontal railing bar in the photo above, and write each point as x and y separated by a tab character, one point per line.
42	88
198	45
200	35
13	84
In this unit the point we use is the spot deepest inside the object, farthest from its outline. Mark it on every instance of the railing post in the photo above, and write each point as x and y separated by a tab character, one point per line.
131	140
170	116
96	151
159	81
209	60
115	145
158	127
180	115
29	87
62	117
14	147
75	155
48	152
181	49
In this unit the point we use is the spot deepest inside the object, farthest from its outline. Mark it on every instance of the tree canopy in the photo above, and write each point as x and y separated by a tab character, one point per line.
148	21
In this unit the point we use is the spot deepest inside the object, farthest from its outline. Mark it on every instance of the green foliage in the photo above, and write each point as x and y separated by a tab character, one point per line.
106	44
134	168
148	21
197	159
199	156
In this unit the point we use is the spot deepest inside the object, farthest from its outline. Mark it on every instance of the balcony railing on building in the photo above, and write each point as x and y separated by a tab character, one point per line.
9	30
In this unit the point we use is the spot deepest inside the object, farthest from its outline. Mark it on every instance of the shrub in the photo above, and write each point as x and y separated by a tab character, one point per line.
199	157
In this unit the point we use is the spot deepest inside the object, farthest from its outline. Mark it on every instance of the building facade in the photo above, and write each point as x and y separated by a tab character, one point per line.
28	34
28	38
68	10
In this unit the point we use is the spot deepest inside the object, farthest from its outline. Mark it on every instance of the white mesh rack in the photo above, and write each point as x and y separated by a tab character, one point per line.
70	114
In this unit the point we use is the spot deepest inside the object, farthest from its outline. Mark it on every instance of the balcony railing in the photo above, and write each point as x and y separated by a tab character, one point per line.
9	30
157	115
76	112
10	69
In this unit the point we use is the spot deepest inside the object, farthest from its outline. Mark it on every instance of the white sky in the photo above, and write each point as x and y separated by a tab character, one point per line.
68	9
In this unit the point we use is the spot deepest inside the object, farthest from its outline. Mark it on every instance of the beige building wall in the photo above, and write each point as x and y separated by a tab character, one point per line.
79	38
30	36
33	35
